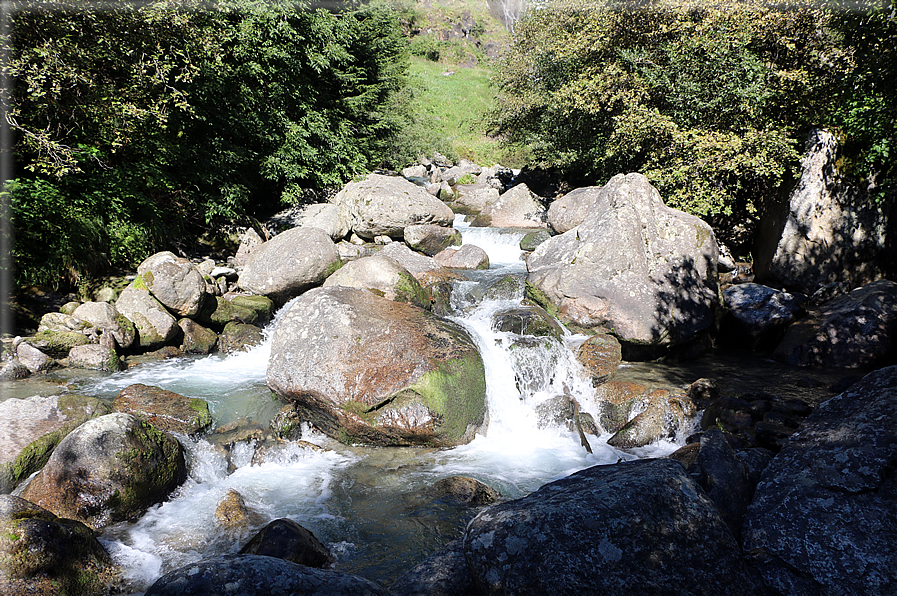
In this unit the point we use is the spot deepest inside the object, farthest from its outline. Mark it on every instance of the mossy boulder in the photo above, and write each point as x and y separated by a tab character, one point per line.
221	310
95	357
527	320
58	343
239	337
365	369
155	325
33	428
383	276
41	554
165	410
109	469
197	339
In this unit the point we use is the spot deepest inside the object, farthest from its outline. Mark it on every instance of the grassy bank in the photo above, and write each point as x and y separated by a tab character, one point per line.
452	108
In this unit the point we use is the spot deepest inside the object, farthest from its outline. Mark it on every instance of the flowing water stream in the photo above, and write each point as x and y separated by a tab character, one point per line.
360	502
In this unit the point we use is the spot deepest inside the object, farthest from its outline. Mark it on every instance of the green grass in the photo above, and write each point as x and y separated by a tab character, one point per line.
452	109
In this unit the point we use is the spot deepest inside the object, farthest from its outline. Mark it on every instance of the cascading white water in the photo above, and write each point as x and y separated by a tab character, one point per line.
351	498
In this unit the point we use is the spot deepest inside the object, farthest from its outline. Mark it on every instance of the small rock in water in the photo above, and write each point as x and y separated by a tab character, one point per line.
287	540
233	514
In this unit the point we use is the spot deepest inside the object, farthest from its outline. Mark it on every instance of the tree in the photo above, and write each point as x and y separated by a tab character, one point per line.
710	101
138	123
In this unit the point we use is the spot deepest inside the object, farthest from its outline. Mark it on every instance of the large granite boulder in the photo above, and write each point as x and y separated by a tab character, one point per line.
43	555
253	575
327	217
465	257
386	205
570	210
35	360
516	208
109	469
107	318
165	410
853	331
95	357
830	230
430	239
155	325
470	199
636	527
424	268
636	267
822	519
174	281
383	276
290	263
445	573
365	369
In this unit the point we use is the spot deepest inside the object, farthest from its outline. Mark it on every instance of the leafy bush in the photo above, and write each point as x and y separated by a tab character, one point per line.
137	125
710	101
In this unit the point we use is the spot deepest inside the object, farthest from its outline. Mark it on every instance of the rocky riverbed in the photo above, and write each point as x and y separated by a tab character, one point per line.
382	380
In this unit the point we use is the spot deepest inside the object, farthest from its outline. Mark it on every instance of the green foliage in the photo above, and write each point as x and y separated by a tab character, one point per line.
710	101
139	125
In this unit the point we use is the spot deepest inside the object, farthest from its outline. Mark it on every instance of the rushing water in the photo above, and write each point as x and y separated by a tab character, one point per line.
360	501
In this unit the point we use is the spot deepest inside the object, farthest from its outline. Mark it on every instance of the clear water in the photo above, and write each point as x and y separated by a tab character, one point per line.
358	501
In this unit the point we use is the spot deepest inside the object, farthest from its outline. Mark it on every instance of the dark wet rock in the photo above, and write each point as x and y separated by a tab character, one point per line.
601	356
854	331
95	357
617	400
287	540
197	339
365	369
822	520
109	469
635	267
43	555
382	276
431	239
443	574
758	315
289	264
527	320
636	527
461	490
221	310
466	257
703	392
725	478
252	575
165	410
239	337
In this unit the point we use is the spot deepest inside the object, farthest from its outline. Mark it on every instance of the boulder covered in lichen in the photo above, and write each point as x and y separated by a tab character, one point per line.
109	469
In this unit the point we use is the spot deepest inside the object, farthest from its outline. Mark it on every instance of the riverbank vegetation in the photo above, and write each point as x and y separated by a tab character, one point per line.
711	101
140	126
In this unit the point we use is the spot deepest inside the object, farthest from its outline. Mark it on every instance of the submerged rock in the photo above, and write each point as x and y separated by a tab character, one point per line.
636	527
370	370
